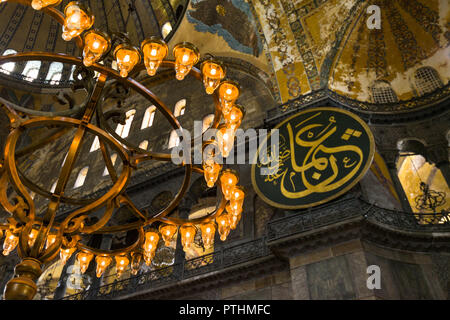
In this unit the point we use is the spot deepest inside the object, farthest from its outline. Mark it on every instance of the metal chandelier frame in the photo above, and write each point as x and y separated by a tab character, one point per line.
69	231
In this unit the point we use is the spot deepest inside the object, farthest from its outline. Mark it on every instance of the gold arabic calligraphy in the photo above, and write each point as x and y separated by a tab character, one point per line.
319	159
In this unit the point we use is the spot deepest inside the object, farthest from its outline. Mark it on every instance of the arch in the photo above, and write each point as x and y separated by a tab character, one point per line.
166	29
382	92
149	116
426	80
54	73
81	177
95	144
31	70
8	67
113	161
52	189
174	139
412	145
143	144
124	130
180	108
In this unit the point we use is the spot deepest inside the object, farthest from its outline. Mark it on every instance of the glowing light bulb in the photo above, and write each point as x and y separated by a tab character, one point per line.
228	93
84	258
225	139
136	261
75	18
234	117
208	230
96	44
213	72
78	19
228	180
154	50
32	237
102	264
126	57
10	242
224	226
65	254
39	4
186	55
167	232
121	264
187	236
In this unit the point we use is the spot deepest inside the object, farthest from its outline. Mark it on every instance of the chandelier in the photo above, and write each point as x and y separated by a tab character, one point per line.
38	237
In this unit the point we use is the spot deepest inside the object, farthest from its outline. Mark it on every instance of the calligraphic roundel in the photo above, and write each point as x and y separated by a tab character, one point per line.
320	154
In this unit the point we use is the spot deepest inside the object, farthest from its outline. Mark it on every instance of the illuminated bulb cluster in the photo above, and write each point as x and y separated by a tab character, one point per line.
78	19
235	195
102	261
233	114
39	4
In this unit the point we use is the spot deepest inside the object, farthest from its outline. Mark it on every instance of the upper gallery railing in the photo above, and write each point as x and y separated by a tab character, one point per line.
294	224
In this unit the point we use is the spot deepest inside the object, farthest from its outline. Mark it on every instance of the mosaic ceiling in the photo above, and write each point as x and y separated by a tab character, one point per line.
321	43
294	46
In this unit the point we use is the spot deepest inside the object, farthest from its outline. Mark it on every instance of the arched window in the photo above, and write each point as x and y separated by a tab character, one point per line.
124	130
166	29
113	161
207	122
54	72
64	160
95	145
180	107
383	93
52	189
71	73
9	66
149	115
81	177
143	144
31	70
427	80
174	139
